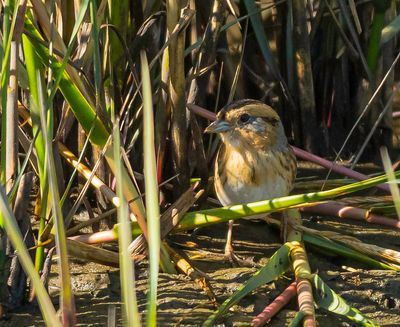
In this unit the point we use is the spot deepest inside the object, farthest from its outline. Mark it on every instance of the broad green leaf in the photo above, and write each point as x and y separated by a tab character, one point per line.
326	298
277	265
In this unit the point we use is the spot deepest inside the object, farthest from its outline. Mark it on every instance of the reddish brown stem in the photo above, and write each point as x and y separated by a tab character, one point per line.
273	308
341	211
334	167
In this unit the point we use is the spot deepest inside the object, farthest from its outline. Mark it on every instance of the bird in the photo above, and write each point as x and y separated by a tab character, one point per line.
254	161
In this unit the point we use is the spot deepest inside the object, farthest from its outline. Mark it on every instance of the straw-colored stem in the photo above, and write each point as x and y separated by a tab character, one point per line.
302	273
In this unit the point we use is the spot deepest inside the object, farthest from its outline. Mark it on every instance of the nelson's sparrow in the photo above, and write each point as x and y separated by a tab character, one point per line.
254	161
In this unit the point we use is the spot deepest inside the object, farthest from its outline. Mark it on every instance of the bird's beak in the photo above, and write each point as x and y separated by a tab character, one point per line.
219	126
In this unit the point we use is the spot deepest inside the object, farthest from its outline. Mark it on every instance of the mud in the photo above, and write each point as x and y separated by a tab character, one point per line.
182	303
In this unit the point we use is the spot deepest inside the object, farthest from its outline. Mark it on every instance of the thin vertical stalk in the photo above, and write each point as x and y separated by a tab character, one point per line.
150	179
127	275
66	296
3	86
8	93
198	86
374	44
289	47
177	93
4	82
99	96
9	142
96	53
12	99
32	66
305	85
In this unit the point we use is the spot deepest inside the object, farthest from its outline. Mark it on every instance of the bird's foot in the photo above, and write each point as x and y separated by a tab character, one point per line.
235	260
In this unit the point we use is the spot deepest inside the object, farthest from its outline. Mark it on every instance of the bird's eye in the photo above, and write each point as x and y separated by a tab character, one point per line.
244	118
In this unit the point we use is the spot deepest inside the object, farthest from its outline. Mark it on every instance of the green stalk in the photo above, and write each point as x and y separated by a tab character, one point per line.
33	65
66	296
151	186
211	216
127	275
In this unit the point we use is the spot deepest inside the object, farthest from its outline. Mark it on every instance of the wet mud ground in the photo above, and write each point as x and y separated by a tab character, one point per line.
181	302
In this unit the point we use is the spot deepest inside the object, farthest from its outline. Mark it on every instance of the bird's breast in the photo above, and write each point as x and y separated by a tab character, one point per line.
241	178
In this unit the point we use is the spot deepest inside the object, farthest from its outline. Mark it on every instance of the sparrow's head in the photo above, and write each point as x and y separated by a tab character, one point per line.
249	124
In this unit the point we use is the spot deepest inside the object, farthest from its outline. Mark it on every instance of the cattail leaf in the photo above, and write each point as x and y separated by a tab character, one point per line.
277	265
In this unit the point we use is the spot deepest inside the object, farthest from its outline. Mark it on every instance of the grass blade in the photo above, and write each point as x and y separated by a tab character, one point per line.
127	276
12	230
33	65
152	208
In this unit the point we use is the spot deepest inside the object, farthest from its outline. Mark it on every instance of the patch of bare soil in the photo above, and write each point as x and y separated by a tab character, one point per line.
182	303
